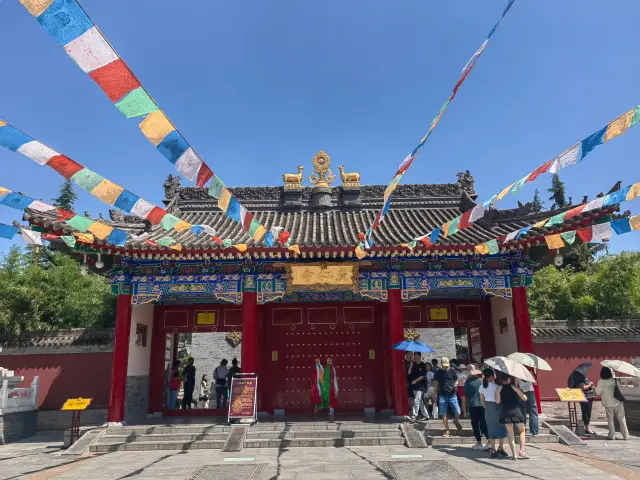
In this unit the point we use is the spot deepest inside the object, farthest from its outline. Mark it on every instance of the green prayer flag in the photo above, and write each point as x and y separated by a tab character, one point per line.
70	240
253	227
453	225
166	241
227	243
81	224
86	179
569	237
216	187
556	219
169	221
493	246
636	116
520	183
136	104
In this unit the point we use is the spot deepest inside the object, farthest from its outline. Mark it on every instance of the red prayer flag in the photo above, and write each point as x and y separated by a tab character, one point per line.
115	79
204	175
64	214
64	166
573	212
426	241
465	220
151	242
284	237
217	239
50	236
156	215
248	218
539	170
585	234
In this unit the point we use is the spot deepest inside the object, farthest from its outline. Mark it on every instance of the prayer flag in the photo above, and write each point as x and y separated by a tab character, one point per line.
64	215
80	223
169	221
227	243
570	156
554	241
284	237
635	222
115	79
142	208
107	191
296	249
433	237
360	253
165	241
241	247
38	152
268	239
556	220
209	230
511	236
465	221
39	206
176	247
574	212
504	192
4	191
636	116
225	198
619	125
477	213
523	232
601	231
594	204
36	7
100	230
86	179
64	20
189	164
569	237
519	184
616	197
118	237
91	50
156	126
621	226
15	200
540	170
29	236
493	247
233	209
585	234
197	230
8	231
173	146
482	249
634	191
12	138
592	141
216	187
64	166
539	224
453	226
204	174
259	233
445	229
156	215
136	104
70	240
127	201
181	226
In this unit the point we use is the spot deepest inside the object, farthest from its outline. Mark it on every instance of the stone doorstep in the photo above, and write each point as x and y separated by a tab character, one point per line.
266	427
286	435
467	432
150	446
177	429
314	442
159	437
433	440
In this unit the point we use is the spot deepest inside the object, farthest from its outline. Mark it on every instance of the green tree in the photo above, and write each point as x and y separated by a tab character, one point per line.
52	296
538	204
557	192
608	289
66	198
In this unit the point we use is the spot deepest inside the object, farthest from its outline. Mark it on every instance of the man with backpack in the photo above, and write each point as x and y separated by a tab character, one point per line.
446	383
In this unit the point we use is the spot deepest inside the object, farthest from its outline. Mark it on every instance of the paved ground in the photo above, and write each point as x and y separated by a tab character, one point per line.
41	458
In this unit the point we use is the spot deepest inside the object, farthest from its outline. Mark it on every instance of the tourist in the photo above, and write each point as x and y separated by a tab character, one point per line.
431	396
174	384
478	422
529	405
446	380
462	378
578	379
189	375
497	431
418	377
613	405
220	378
434	362
233	371
507	395
408	360
204	392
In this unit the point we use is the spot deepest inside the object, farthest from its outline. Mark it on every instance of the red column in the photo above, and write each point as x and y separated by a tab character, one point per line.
522	323
396	335
249	332
120	359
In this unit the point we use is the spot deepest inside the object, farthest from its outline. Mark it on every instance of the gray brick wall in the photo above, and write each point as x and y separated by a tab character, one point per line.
632	413
442	340
208	349
136	402
57	420
16	426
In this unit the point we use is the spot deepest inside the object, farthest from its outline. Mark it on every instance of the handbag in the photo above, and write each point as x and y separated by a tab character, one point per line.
617	393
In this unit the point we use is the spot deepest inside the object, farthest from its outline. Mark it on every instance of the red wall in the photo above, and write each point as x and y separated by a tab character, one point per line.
565	357
65	376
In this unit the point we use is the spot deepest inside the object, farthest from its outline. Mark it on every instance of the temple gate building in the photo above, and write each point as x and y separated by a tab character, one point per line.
282	309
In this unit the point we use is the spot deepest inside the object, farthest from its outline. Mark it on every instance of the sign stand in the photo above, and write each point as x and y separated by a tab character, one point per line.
572	396
75	406
243	400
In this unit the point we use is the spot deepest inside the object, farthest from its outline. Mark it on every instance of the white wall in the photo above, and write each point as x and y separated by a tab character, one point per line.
139	356
506	343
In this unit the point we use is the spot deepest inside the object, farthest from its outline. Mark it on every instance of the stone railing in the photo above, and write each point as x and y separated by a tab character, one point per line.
14	400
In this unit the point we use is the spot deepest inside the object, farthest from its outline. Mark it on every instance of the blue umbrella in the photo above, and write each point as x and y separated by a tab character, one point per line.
412	346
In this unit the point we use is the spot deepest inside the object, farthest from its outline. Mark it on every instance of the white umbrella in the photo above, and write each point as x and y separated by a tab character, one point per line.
530	360
621	366
510	367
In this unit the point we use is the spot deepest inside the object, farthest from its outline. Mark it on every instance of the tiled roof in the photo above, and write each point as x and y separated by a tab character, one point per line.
62	338
602	331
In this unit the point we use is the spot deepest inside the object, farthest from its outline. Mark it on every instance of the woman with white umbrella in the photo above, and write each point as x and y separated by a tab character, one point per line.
612	398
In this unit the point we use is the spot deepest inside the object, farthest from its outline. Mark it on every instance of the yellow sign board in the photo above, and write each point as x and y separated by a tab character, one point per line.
76	404
322	277
439	314
571	395
206	318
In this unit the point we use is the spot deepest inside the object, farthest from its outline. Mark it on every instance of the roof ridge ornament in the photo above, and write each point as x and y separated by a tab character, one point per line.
322	175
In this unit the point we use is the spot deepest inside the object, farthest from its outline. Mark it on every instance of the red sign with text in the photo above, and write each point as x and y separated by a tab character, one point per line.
242	403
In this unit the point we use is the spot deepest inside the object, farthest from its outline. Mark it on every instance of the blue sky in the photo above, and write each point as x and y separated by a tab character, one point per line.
259	87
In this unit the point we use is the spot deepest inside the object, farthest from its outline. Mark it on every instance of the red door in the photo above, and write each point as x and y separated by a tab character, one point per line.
297	334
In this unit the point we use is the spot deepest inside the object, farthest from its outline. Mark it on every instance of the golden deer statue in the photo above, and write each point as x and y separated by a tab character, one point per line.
352	179
293	179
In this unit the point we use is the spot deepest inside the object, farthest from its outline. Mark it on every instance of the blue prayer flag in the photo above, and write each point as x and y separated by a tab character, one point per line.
173	146
17	201
592	141
268	239
13	139
616	197
233	210
433	237
65	21
197	230
126	200
118	237
523	231
621	226
8	231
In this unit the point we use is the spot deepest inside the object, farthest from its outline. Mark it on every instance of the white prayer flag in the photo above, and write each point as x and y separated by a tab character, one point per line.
600	232
37	152
29	236
142	208
568	157
189	164
91	50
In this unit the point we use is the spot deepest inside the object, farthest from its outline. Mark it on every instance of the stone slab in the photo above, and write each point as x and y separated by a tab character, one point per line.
566	436
84	442
413	437
410	470
229	472
235	439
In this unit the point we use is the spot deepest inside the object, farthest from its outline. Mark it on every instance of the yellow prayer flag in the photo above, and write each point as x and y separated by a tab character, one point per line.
100	230
482	249
242	247
294	248
225	198
445	229
259	233
619	125
107	191
181	226
540	224
36	7
84	237
4	191
634	191
635	222
554	241
360	253
176	247
156	126
2	123
504	192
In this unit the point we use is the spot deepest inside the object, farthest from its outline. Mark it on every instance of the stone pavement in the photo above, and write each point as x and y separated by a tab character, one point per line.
40	458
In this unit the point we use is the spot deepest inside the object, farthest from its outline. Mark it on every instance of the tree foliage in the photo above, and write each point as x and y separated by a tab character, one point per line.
66	198
558	196
537	203
608	289
50	295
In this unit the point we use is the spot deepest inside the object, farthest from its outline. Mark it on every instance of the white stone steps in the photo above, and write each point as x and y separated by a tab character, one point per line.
161	437
149	446
326	442
469	440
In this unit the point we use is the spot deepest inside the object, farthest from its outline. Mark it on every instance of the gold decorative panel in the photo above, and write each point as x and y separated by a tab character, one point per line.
322	277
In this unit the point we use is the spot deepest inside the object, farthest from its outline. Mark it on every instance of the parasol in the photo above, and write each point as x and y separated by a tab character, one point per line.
530	360
510	367
413	346
621	366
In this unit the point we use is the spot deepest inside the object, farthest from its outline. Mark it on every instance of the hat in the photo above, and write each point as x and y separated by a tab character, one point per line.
462	366
474	371
444	362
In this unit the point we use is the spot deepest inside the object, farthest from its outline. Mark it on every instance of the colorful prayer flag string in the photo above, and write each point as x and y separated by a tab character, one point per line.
91	51
29	236
406	163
